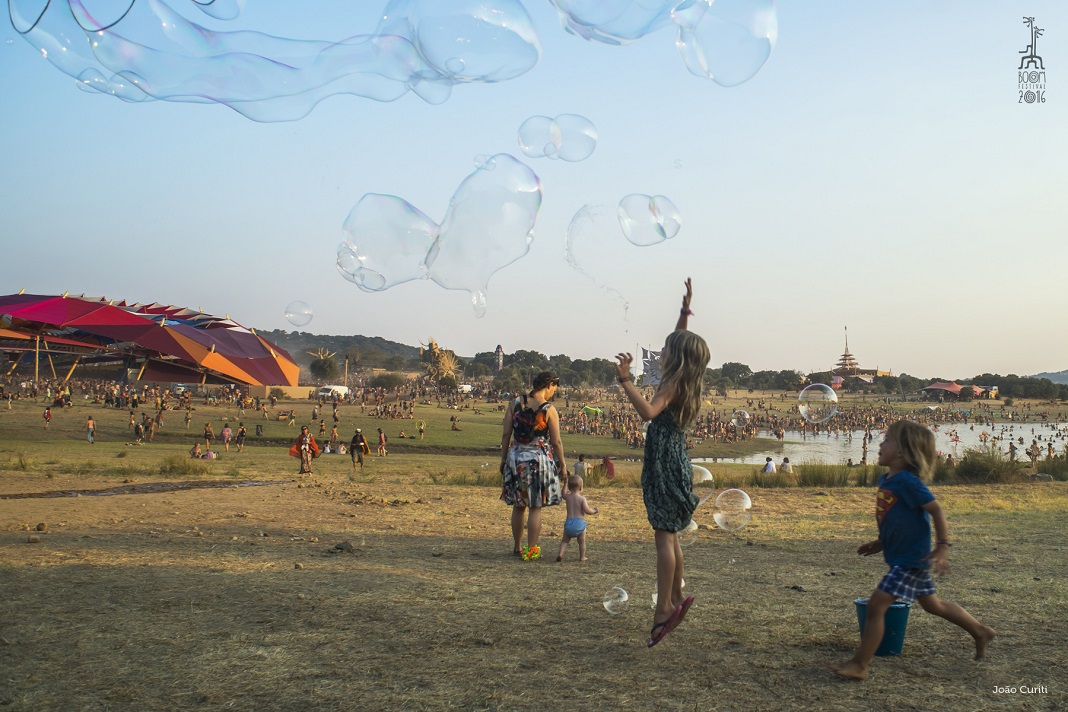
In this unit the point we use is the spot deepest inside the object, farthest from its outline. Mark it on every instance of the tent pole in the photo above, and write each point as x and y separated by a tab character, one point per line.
72	367
37	359
14	365
51	365
142	371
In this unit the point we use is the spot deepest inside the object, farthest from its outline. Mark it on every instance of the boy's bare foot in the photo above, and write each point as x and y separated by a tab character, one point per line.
981	641
850	669
559	558
584	558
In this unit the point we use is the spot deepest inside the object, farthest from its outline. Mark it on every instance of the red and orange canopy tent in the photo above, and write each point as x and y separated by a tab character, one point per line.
169	343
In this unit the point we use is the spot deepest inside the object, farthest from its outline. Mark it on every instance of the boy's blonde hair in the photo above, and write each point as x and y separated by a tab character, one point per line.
917	446
683	371
574	482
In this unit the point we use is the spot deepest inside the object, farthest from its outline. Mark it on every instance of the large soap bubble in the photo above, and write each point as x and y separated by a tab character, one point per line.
817	403
733	510
740	419
139	51
298	313
647	220
727	41
614	21
569	137
616	600
488	225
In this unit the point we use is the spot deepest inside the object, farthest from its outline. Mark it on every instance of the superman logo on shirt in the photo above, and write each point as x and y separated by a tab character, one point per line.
884	501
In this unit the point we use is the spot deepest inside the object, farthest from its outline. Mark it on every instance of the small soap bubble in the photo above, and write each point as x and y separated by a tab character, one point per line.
616	600
455	65
656	596
298	313
733	510
818	403
740	419
648	220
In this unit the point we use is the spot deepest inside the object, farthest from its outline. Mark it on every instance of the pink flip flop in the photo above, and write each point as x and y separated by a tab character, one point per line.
662	629
685	606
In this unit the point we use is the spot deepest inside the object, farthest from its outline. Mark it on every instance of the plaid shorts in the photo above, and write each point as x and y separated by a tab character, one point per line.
907	584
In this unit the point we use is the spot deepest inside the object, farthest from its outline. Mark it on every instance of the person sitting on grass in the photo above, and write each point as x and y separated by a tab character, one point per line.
575	524
904	508
195	451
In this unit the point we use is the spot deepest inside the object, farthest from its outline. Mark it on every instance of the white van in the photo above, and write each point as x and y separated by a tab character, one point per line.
329	391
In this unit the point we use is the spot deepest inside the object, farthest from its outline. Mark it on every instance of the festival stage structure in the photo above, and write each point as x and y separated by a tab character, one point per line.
160	342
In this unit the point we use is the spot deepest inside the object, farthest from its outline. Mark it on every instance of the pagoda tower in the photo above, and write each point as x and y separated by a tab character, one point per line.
846	362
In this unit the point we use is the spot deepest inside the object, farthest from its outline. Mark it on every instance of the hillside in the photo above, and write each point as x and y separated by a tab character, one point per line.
372	349
1057	377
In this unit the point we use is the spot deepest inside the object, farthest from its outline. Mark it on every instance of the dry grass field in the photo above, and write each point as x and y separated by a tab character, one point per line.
239	597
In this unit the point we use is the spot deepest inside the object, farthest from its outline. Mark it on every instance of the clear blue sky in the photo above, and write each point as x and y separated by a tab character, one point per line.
879	173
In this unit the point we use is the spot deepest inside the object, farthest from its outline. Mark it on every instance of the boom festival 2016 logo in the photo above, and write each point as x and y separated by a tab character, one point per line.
1031	74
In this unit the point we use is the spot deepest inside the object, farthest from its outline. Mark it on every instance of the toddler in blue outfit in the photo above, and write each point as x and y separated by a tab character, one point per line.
575	524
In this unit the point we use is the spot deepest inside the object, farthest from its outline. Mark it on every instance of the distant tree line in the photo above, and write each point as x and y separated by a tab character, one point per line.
521	366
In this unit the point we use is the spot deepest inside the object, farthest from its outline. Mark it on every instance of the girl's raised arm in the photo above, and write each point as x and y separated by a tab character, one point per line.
685	311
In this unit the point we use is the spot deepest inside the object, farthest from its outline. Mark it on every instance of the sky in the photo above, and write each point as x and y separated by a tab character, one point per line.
879	172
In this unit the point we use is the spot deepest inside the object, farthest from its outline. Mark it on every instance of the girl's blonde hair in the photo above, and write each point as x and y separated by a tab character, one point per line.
682	371
917	446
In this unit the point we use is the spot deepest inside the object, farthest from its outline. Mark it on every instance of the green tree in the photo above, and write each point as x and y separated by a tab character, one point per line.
737	372
388	380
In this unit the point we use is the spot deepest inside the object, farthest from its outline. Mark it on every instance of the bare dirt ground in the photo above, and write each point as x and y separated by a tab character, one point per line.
236	598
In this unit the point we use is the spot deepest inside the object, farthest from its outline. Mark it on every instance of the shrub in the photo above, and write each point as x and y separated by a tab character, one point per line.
986	466
823	475
867	475
769	480
1057	468
183	465
277	393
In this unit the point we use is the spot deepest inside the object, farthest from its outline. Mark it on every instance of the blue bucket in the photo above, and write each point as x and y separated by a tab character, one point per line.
895	621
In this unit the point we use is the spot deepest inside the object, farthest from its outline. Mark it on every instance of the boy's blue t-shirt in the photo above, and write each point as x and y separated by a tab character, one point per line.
904	525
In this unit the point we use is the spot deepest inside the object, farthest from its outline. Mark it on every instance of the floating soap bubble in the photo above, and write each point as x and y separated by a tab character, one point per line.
488	225
648	220
688	534
387	243
616	600
817	403
422	46
727	41
703	483
614	21
298	313
733	510
740	419
569	137
484	162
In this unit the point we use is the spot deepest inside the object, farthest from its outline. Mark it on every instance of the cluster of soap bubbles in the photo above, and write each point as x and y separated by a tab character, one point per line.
487	226
818	403
569	137
298	313
727	41
142	51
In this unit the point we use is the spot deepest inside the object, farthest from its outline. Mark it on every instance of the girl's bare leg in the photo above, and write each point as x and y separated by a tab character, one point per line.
666	543
676	582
